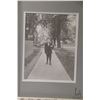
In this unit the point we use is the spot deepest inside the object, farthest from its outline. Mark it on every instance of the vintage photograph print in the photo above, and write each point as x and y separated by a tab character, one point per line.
50	47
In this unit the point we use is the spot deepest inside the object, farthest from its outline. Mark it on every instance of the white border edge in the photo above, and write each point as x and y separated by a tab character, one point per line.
76	46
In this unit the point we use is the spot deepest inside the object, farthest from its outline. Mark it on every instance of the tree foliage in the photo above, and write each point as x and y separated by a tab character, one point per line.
60	27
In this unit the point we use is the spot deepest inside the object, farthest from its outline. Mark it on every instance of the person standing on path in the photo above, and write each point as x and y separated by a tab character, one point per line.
48	52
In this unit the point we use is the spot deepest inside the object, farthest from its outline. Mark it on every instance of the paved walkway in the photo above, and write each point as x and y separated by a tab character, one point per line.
43	71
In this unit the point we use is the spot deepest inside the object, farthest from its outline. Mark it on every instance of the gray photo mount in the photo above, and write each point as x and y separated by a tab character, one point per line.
51	89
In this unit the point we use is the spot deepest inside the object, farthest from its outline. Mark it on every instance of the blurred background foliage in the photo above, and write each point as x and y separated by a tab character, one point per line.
59	28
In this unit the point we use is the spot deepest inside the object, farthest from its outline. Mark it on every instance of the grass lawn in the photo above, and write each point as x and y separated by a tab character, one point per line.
67	59
30	61
32	55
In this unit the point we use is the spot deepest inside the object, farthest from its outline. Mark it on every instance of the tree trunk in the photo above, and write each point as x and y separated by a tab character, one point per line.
58	26
54	41
58	42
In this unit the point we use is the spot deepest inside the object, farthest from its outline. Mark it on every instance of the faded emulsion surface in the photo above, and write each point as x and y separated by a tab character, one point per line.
51	89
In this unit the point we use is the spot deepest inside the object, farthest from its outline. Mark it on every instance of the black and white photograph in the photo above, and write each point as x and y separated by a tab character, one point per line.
50	42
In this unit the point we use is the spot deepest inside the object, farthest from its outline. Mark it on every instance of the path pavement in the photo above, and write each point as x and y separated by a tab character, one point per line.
43	71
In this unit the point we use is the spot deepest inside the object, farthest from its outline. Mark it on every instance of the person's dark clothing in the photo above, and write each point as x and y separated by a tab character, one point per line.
48	51
48	59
